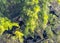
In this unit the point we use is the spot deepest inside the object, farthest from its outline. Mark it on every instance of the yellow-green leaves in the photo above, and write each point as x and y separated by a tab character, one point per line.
45	13
49	32
15	24
1	29
58	1
29	12
45	17
19	35
32	13
32	24
6	24
36	8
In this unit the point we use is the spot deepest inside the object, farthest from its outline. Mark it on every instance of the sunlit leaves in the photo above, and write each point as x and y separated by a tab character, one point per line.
36	8
19	35
49	32
45	20
32	13
1	29
6	24
58	1
45	14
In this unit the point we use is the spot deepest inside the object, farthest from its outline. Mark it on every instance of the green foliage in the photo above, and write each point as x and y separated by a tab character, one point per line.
49	32
32	13
35	14
19	35
58	1
6	24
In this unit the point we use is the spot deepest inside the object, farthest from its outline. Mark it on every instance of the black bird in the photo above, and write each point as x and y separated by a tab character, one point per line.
21	23
52	11
45	34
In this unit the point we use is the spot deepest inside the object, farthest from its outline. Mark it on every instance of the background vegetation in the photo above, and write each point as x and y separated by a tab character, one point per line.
29	21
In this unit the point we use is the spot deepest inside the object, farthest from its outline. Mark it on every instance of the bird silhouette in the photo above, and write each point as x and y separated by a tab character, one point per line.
52	11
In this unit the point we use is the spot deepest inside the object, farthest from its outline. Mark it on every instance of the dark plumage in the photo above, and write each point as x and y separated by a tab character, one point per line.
52	11
45	34
21	23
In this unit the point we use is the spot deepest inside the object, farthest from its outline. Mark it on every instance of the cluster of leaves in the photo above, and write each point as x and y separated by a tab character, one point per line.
6	24
32	14
42	14
58	1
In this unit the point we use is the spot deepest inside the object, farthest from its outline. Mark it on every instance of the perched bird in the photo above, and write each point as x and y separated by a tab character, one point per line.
21	23
52	11
45	34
